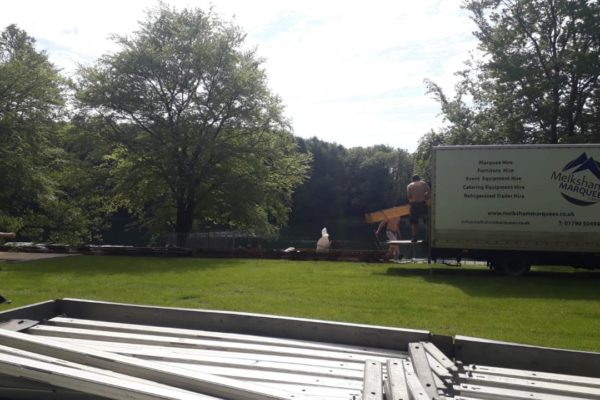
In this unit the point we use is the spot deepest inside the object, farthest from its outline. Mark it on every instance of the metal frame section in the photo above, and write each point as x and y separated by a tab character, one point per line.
534	375
18	324
471	350
83	350
424	371
244	323
372	386
180	378
209	337
396	387
37	312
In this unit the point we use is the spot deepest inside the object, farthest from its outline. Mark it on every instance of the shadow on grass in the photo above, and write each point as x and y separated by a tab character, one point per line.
481	282
108	265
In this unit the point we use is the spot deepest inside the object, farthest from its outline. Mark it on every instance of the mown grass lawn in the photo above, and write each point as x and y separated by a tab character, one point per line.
547	308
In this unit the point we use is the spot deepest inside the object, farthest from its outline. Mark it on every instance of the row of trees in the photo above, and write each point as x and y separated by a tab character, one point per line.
536	81
178	130
178	127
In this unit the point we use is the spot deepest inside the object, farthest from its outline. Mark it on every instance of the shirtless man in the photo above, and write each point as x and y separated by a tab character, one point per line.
417	193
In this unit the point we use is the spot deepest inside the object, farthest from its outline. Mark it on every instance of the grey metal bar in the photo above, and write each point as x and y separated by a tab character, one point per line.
537	375
18	324
179	378
253	324
440	357
421	365
494	393
213	335
396	387
470	350
416	390
373	381
564	389
37	311
444	343
89	382
45	394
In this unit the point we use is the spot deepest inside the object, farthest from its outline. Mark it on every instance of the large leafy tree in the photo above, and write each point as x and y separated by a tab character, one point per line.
537	80
196	135
31	103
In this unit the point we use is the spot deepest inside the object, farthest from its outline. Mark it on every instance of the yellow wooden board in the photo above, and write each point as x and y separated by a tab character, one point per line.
378	216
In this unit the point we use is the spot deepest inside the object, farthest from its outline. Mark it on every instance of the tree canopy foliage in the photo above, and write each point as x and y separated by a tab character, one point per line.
31	100
537	80
350	182
175	131
197	135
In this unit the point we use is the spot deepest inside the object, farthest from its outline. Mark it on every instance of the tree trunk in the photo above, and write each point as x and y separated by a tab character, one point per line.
184	221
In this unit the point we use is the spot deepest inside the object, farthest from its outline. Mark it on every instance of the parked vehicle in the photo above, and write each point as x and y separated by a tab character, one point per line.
515	206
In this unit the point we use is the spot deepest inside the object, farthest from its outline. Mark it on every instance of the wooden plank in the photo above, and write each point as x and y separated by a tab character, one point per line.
373	381
396	387
89	382
381	215
541	376
418	357
416	390
76	333
440	357
494	393
200	382
245	323
219	336
562	389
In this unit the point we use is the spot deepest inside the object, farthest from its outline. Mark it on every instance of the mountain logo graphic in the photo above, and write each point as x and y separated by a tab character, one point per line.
579	181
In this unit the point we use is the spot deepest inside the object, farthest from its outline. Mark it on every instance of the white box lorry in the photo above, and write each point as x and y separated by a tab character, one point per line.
516	205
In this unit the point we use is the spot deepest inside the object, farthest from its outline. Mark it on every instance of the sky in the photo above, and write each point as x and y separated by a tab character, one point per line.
348	72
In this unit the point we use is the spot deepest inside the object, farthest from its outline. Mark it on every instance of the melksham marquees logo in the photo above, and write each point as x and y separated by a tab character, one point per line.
579	181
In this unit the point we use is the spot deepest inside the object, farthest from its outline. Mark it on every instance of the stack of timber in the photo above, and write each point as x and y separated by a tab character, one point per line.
381	215
82	350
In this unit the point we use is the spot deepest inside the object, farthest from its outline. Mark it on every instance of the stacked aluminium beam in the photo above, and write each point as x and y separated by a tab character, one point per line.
84	359
115	360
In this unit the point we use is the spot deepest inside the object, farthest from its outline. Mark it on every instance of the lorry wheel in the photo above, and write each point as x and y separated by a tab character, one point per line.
495	265
514	266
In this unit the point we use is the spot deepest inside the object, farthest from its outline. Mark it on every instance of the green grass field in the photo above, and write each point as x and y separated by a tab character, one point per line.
547	308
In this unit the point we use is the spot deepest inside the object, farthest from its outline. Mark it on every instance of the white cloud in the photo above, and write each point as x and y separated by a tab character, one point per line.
348	71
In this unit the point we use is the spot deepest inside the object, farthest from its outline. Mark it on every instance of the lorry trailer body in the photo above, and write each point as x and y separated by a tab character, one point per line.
516	205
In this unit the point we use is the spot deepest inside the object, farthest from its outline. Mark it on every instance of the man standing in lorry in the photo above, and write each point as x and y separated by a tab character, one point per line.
417	193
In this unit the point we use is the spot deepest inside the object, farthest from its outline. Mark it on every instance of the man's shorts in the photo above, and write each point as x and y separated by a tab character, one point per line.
418	210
